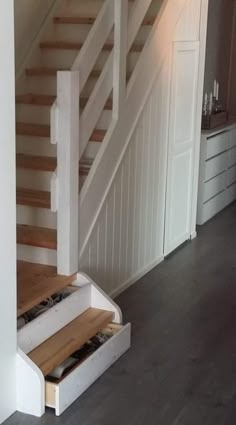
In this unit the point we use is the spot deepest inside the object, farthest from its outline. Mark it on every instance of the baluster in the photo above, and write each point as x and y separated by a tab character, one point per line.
120	55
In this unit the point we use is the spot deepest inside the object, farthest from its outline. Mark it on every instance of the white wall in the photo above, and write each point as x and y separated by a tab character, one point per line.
7	213
220	21
29	16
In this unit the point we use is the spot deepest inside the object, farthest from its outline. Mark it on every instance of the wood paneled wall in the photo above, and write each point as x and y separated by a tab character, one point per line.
127	239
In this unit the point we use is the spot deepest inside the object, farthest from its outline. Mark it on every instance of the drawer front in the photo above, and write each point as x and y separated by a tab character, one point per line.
214	186
60	396
217	144
232	157
212	207
216	166
231	194
231	176
232	140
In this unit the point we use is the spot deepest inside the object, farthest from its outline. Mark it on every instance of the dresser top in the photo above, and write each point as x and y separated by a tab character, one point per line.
229	125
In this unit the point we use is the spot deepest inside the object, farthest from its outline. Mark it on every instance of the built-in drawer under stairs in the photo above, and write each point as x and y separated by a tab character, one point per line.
69	333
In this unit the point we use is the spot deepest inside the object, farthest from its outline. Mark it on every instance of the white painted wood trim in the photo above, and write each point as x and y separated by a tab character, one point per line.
201	71
91	369
137	13
92	47
120	55
95	104
47	324
99	299
30	386
68	172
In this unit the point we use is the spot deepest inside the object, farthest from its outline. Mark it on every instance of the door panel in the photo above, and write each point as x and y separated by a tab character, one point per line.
181	144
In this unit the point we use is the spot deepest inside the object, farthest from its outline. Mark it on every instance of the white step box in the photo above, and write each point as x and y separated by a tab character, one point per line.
36	393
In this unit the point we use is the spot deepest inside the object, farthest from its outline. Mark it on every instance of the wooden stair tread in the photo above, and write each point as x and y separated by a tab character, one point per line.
108	104
47	100
41	130
60	346
52	72
72	45
40	163
36	236
46	163
89	20
35	283
35	99
42	71
33	198
98	135
28	129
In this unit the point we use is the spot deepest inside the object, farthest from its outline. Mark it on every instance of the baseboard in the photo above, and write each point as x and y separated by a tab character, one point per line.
133	279
193	235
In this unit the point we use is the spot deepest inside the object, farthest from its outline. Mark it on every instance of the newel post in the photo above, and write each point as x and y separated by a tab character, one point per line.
120	55
68	172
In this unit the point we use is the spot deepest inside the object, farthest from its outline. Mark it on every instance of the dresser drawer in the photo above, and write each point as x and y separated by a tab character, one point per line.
60	395
216	165
217	144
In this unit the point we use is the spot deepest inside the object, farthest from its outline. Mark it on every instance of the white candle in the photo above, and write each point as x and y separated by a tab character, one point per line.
210	103
215	88
217	91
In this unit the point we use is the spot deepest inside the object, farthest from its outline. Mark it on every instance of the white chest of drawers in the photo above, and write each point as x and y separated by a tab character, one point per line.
217	177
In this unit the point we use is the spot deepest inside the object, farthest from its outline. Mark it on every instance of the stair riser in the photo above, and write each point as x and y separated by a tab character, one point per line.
42	84
64	59
39	217
81	8
79	32
37	255
33	114
30	179
35	146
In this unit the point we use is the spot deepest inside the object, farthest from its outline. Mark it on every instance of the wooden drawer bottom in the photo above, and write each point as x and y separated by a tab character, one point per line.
62	394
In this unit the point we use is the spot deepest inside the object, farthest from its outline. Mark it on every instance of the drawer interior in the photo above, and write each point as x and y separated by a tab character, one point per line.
51	382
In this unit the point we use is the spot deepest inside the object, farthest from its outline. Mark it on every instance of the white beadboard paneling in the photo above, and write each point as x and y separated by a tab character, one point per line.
188	27
127	238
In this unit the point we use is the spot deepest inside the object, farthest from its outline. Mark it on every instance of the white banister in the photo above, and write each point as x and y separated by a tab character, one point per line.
95	41
137	15
120	55
67	172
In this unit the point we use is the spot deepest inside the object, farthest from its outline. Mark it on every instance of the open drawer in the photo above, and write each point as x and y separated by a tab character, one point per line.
61	394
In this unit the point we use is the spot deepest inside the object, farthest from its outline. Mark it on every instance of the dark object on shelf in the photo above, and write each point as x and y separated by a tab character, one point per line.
215	120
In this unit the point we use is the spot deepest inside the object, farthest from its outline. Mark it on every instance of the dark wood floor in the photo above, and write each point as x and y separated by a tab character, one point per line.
181	369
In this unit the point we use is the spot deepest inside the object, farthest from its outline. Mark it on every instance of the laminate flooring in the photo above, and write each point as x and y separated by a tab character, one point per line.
181	369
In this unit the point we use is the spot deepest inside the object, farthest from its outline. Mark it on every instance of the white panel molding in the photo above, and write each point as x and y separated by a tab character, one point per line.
181	143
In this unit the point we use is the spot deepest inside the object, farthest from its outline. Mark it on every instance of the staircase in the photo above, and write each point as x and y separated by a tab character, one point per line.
68	99
36	160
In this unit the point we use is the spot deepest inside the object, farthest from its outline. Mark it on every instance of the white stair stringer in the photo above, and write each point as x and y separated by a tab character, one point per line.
30	380
151	60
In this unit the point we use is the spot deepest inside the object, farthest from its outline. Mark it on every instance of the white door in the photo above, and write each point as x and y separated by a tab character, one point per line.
7	214
181	144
